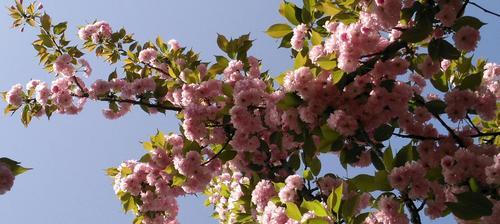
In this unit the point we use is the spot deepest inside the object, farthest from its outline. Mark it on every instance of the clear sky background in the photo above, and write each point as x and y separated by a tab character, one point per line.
69	153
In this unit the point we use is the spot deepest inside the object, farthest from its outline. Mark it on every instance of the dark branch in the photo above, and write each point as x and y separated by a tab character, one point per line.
484	9
80	86
485	134
415	216
422	205
157	69
472	124
135	102
462	10
416	137
219	152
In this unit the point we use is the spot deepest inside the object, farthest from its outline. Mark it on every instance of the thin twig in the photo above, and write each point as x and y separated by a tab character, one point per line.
436	139
472	124
416	137
485	134
80	86
157	69
422	205
484	9
135	102
220	151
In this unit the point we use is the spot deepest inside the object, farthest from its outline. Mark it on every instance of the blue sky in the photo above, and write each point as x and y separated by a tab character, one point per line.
69	153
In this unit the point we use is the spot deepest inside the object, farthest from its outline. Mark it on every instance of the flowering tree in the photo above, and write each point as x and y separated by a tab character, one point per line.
365	71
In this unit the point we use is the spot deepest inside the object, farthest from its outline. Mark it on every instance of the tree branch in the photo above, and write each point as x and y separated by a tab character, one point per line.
472	124
416	137
157	69
484	9
135	102
485	134
462	10
415	216
436	139
220	151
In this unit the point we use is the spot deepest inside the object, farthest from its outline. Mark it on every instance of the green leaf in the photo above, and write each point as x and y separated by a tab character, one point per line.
289	11
337	76
138	220
436	106
227	155
222	42
60	28
350	155
473	185
10	108
442	49
471	205
278	30
383	132
285	42
290	100
377	161
367	183
161	44
309	5
45	21
388	159
361	218
14	166
314	206
328	133
292	211
294	161
317	220
306	16
307	174
125	171
227	90
329	8
315	166
316	38
467	21
419	32
112	75
112	171
335	198
145	158
382	181
363	182
26	116
309	149
128	203
178	180
327	63
349	206
329	136
472	81
300	60
158	140
406	154
147	146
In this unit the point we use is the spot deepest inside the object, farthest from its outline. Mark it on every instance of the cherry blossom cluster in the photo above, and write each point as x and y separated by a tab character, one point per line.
389	212
168	173
412	177
97	32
